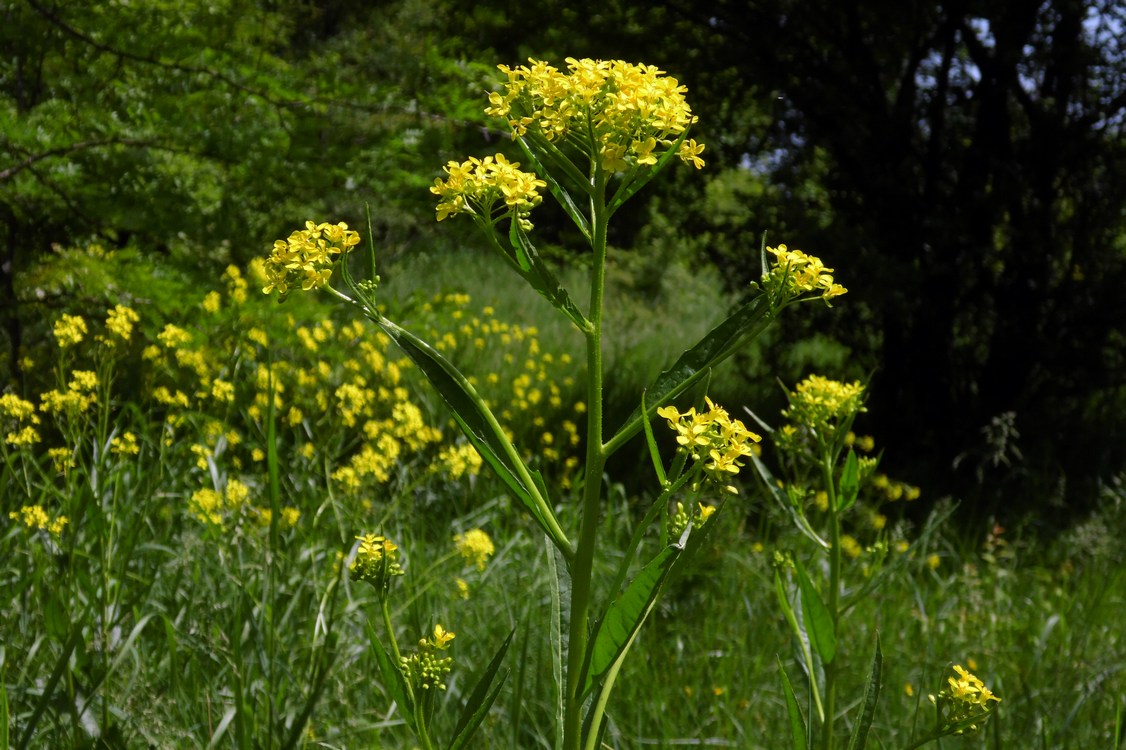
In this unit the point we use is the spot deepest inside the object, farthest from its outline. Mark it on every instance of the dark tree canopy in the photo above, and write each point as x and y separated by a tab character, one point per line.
963	165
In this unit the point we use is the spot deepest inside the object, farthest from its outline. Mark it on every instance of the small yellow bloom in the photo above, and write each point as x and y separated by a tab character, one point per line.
125	444
120	322
933	561
475	546
69	330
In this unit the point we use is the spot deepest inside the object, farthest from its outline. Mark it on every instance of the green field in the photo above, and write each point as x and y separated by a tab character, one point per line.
183	603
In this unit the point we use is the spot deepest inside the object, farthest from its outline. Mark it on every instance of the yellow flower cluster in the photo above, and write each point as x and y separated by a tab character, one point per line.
376	561
492	188
619	114
18	419
819	403
475	546
120	322
713	437
425	669
460	460
795	273
69	330
305	259
218	508
35	517
968	689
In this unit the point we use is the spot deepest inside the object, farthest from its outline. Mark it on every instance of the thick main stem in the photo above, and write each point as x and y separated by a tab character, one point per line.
583	564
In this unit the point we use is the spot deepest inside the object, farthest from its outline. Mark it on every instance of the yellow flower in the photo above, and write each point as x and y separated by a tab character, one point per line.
376	561
795	273
618	114
211	302
713	438
35	517
491	188
475	546
69	330
933	561
125	444
968	689
305	259
462	588
819	403
120	322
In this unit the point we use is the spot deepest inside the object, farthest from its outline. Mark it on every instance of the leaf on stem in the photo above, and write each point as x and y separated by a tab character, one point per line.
871	696
795	514
476	422
627	613
721	342
533	270
798	734
849	486
817	618
393	681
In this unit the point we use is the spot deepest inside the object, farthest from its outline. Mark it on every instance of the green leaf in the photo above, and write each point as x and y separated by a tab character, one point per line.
798	735
817	618
55	619
476	421
393	680
849	486
482	698
871	696
560	579
720	343
532	268
654	453
624	617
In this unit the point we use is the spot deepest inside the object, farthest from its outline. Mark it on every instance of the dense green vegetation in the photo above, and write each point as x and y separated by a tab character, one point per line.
966	162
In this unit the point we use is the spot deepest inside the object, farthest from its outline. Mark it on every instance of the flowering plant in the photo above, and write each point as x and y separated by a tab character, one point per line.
592	136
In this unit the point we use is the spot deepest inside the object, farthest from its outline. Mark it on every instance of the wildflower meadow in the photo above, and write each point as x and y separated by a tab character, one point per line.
336	500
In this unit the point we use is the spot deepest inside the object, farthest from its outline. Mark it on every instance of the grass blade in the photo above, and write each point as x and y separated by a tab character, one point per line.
799	737
482	698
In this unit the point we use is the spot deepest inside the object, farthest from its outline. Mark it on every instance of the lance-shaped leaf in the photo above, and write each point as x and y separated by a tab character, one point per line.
625	616
560	588
817	618
849	485
477	422
557	189
798	735
639	176
871	696
393	681
532	268
481	699
720	343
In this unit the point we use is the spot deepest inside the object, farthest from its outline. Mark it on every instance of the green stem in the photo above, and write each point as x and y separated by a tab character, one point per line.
583	563
834	596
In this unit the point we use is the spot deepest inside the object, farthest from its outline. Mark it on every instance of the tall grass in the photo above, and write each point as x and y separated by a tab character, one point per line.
140	622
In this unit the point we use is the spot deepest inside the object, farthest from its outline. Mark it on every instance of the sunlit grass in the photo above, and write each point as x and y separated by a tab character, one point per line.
144	620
